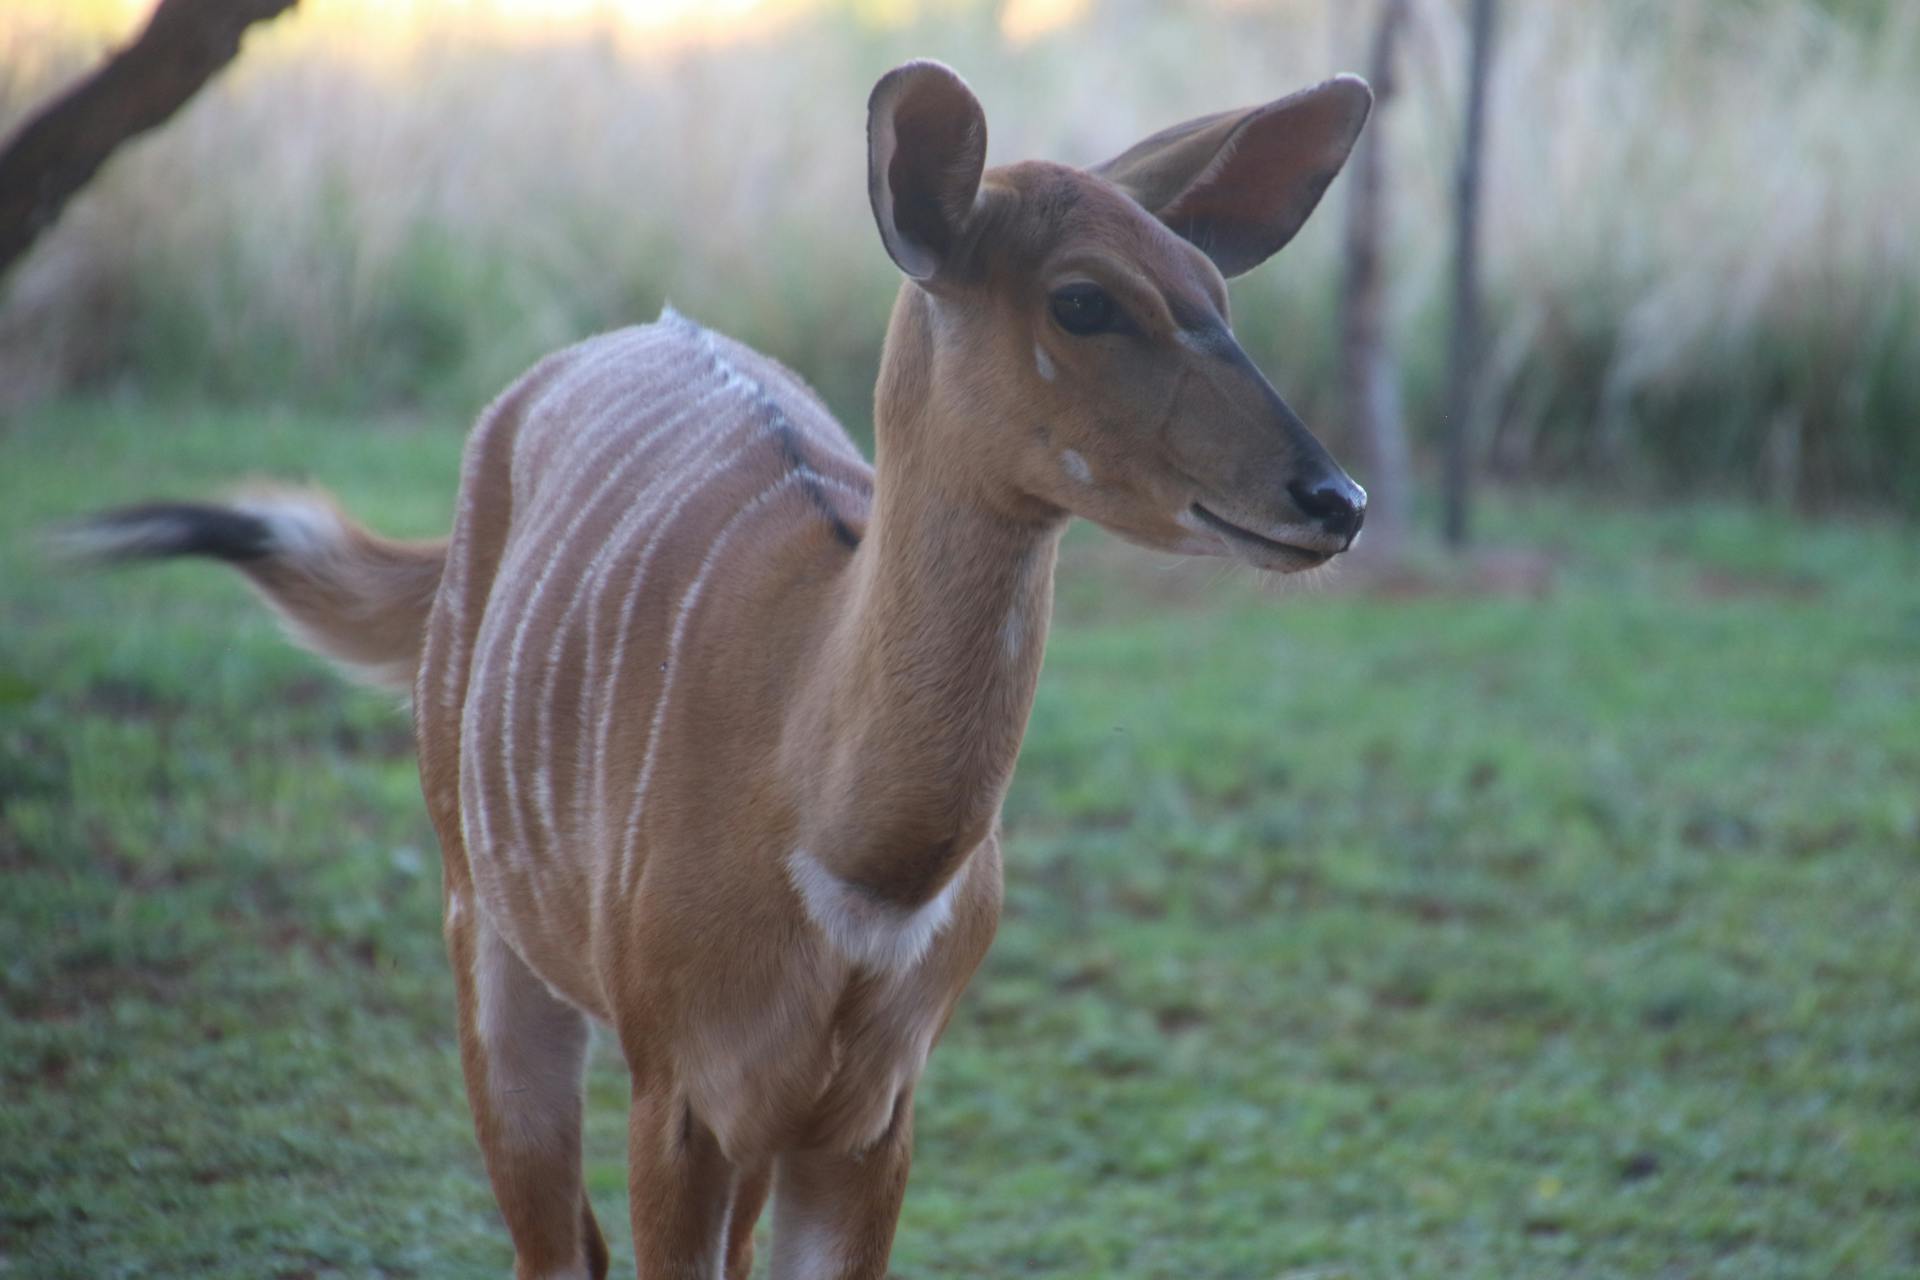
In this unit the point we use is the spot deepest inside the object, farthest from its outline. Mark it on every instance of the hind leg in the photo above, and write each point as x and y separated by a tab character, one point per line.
524	1051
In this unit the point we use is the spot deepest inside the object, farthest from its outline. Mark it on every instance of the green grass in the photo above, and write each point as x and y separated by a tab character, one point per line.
1414	931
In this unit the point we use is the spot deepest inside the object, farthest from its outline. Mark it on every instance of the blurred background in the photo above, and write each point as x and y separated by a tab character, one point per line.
1700	270
1539	906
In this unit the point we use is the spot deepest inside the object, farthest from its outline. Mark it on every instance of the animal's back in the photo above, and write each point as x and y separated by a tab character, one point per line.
610	502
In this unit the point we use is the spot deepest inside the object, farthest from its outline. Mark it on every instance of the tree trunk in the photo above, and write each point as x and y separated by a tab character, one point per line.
1369	381
1463	383
59	148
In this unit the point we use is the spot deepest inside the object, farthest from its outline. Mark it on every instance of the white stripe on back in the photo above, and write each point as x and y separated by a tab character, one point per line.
598	440
764	399
635	452
644	503
561	485
655	538
688	602
578	381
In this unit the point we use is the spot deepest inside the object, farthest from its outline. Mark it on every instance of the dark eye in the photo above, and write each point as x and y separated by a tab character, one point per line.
1084	309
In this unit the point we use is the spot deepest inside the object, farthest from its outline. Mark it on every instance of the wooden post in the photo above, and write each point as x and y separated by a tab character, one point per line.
1369	382
1463	382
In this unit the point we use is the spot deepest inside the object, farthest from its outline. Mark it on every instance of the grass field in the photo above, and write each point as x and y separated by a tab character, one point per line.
1352	933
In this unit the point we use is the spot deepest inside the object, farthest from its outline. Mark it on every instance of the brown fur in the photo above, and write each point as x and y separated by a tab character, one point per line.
715	721
364	604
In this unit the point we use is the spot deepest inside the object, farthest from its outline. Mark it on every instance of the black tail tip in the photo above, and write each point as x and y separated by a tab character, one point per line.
158	530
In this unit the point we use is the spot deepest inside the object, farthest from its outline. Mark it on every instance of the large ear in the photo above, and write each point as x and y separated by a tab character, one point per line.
926	147
1237	185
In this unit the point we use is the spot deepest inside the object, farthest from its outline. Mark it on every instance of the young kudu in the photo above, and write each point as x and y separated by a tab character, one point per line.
715	720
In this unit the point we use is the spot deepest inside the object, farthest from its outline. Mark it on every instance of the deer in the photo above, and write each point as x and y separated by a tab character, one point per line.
715	720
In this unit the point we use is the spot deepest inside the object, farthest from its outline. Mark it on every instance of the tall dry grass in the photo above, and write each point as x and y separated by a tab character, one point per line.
1701	258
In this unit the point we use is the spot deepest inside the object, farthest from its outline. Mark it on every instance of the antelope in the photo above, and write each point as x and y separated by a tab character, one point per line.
715	720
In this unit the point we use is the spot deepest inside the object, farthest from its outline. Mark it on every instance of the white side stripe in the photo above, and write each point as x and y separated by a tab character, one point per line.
634	452
587	585
688	602
714	468
476	795
631	599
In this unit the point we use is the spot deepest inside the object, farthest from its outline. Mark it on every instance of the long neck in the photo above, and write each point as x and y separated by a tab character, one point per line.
917	705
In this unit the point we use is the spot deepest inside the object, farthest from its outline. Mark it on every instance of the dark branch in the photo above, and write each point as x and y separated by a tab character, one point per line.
1463	356
60	147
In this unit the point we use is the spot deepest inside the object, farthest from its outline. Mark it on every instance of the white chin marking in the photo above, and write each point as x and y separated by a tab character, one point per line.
1205	541
877	935
1076	466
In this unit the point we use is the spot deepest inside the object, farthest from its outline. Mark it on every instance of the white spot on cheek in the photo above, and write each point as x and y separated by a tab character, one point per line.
1042	363
1013	635
1076	466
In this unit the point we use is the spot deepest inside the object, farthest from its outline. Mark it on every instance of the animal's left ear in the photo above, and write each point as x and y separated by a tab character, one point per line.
1237	185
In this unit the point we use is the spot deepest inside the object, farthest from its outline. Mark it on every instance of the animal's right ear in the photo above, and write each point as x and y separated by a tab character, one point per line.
926	148
1237	185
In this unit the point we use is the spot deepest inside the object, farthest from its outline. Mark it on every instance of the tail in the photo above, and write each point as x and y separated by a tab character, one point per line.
342	591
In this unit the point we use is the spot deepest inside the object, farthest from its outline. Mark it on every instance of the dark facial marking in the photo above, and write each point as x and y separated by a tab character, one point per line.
1216	340
1191	316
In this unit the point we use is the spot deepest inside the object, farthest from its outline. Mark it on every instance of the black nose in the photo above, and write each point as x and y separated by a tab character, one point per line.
1336	503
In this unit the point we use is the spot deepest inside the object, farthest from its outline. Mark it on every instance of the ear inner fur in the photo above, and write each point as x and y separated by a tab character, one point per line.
1239	184
926	151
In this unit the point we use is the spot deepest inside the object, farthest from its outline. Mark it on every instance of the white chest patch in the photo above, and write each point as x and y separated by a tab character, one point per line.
868	932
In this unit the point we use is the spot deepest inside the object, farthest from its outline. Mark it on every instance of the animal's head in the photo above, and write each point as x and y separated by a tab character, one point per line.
1075	320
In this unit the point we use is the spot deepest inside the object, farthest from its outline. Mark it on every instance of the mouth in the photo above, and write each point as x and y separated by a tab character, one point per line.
1286	557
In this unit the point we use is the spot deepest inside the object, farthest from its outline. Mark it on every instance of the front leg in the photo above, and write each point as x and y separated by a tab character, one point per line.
681	1188
749	1197
834	1211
